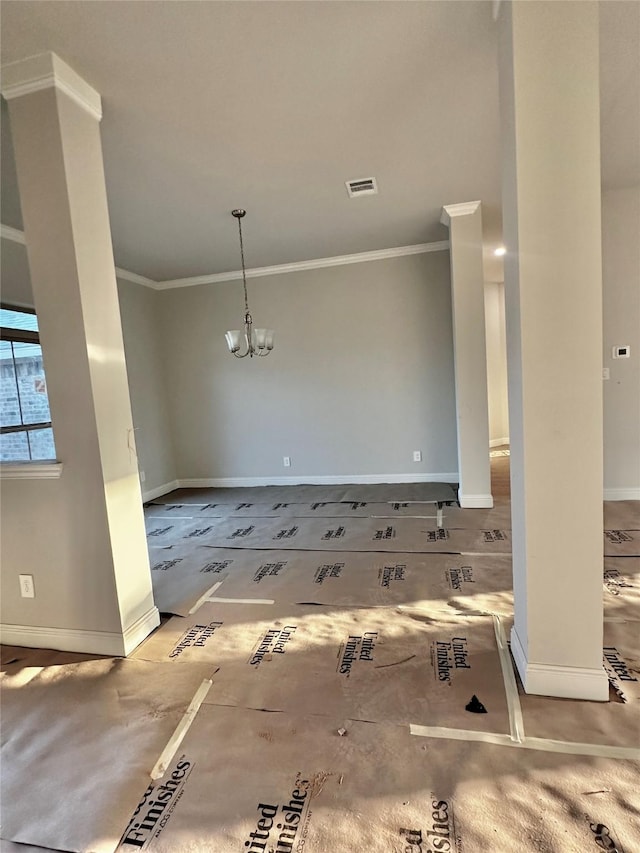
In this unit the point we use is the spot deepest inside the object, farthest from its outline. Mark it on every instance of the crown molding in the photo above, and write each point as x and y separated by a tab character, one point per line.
16	236
9	233
48	71
300	266
465	208
134	278
13	234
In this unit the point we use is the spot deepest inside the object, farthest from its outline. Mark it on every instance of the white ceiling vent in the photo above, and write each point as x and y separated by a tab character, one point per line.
363	186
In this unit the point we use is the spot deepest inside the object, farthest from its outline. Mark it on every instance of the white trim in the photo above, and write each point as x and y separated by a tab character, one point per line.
48	71
299	266
566	682
516	723
140	629
164	489
315	480
13	234
30	470
134	278
465	208
112	644
475	501
64	639
497	442
632	494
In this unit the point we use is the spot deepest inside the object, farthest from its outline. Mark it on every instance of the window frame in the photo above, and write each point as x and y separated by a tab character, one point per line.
24	336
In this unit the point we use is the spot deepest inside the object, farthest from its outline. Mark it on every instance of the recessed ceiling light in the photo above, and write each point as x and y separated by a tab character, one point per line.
500	251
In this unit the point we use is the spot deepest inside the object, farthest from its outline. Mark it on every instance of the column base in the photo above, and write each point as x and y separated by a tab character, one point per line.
475	501
566	682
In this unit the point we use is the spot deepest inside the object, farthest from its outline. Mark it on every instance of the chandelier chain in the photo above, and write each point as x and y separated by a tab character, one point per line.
244	277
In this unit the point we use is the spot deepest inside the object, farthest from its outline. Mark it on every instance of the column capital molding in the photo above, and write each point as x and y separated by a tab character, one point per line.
48	71
465	208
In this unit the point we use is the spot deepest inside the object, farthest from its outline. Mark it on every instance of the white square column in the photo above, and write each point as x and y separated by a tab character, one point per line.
469	352
95	594
549	92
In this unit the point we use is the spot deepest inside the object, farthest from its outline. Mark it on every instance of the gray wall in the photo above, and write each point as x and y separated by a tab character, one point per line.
143	349
138	309
621	286
360	377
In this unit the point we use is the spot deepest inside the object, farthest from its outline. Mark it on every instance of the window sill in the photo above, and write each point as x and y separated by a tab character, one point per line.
30	470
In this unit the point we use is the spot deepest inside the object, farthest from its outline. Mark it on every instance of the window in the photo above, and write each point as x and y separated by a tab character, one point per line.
25	419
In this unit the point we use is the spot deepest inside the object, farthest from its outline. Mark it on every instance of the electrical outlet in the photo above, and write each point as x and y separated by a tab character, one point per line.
417	456
605	373
286	461
143	476
27	590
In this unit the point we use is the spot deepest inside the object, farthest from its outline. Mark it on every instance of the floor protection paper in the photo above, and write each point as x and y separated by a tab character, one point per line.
419	535
622	587
277	783
164	532
481	583
354	509
182	575
375	664
622	515
12	847
80	741
373	579
622	543
616	722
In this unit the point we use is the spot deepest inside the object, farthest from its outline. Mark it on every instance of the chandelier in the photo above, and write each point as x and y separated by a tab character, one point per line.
258	342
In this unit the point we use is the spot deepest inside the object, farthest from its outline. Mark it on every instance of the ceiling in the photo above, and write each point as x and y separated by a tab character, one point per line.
272	106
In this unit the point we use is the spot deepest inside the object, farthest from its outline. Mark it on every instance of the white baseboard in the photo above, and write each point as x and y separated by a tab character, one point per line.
140	629
110	644
64	639
497	442
566	682
475	501
632	494
152	494
315	480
